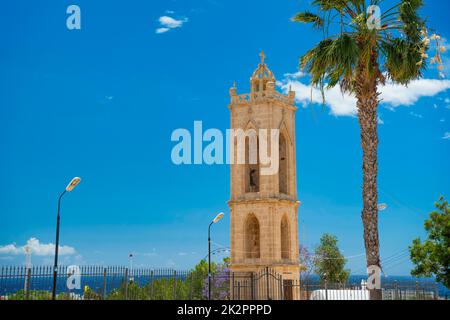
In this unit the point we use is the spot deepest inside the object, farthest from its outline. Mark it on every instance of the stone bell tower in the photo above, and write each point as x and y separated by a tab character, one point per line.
263	208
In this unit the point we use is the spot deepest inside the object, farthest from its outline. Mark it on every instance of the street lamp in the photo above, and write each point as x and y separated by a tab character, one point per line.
75	181
130	256
216	219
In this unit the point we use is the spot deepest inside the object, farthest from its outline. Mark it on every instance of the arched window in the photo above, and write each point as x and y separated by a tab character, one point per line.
251	164
282	173
285	242
252	238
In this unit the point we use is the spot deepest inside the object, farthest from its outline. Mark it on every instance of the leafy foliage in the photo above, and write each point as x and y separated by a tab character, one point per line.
398	44
308	17
195	285
329	262
432	257
33	295
220	282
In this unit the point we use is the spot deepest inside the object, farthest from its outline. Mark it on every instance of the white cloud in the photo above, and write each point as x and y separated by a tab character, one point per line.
398	95
10	249
162	30
168	23
37	248
340	104
296	75
416	115
392	95
446	136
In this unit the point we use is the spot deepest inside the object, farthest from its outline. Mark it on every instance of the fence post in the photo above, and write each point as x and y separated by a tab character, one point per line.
395	290
417	291
104	283
126	283
326	289
252	286
232	286
436	292
239	290
151	285
174	285
27	284
280	286
267	283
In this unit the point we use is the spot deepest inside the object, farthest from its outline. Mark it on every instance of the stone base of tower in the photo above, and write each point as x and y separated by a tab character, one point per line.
262	282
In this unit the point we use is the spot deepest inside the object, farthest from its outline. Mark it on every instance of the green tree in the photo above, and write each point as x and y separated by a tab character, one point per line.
432	257
329	263
359	54
199	275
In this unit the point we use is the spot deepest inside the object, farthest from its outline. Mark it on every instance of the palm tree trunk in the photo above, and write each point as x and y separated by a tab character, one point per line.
367	96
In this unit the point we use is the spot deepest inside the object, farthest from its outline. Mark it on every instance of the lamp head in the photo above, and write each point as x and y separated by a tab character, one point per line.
218	217
75	181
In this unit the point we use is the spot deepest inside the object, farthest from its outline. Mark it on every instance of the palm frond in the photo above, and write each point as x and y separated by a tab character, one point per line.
412	23
308	17
331	61
401	60
327	5
397	50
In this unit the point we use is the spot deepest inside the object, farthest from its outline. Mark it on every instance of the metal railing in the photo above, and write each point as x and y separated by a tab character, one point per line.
121	283
98	283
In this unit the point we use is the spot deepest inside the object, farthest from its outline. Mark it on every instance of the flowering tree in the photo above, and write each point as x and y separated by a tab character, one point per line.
220	285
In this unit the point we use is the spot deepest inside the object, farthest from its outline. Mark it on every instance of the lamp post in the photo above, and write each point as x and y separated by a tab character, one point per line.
216	219
69	188
130	256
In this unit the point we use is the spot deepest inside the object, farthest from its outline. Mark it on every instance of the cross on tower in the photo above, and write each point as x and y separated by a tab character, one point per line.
263	57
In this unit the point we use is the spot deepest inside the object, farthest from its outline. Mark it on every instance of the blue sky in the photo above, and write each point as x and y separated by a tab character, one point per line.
101	103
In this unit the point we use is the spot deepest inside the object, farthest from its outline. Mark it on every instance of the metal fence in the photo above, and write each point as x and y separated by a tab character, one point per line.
393	290
121	283
269	285
98	283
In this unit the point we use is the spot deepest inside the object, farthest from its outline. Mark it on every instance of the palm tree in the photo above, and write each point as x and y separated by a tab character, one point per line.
360	51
